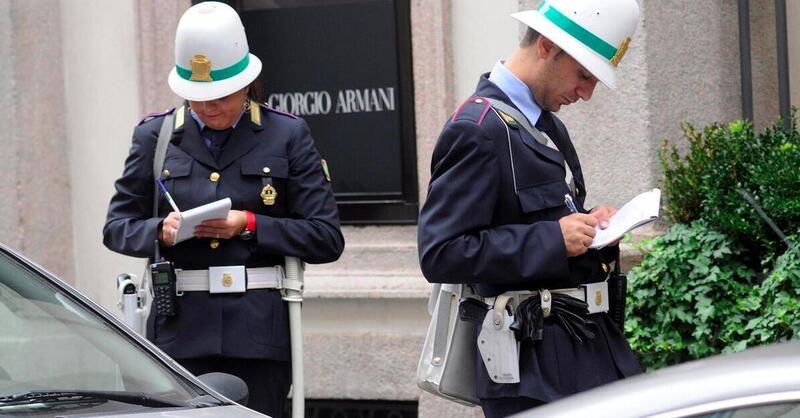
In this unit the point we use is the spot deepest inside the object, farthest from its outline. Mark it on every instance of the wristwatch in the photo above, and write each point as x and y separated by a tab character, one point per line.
249	230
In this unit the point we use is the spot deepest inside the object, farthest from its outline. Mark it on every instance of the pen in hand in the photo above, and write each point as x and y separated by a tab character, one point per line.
166	193
570	204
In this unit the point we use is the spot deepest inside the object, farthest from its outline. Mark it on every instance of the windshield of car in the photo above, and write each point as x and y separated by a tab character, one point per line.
51	342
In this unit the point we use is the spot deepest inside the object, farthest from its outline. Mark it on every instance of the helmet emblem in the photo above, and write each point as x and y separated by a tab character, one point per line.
623	48
201	68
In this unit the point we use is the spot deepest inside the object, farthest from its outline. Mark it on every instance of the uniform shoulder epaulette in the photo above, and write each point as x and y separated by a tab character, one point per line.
273	110
150	116
473	109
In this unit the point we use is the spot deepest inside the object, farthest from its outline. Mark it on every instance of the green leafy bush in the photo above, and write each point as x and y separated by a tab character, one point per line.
776	305
721	279
722	162
691	297
687	299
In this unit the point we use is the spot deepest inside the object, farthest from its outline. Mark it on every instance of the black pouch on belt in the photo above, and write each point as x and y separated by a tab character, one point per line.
617	294
472	310
569	312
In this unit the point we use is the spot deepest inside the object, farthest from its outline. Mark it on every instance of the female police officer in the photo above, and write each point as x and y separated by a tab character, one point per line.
224	145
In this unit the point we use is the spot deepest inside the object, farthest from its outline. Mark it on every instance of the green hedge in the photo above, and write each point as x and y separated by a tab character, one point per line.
724	160
720	279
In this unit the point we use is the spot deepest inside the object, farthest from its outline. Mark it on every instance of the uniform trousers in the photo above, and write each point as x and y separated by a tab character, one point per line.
503	407
268	381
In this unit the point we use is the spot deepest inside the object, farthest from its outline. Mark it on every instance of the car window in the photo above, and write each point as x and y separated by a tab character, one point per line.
776	410
49	341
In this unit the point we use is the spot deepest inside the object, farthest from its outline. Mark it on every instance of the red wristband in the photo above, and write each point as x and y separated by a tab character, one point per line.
251	221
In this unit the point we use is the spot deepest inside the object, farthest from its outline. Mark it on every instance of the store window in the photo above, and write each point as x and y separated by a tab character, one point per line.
344	66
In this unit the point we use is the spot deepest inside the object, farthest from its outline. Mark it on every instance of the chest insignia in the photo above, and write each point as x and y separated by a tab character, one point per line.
268	195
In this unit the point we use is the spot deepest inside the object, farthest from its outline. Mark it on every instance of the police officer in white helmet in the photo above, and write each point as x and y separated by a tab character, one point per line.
505	211
228	312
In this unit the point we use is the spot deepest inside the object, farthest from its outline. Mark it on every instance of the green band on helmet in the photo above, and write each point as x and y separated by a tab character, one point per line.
222	73
577	31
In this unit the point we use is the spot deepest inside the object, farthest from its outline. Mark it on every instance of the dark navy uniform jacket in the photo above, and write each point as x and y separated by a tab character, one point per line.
303	223
477	227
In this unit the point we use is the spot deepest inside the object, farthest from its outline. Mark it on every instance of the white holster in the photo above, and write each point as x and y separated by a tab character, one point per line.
134	302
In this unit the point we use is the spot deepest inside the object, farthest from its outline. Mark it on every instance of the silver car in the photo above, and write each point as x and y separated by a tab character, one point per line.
759	382
63	355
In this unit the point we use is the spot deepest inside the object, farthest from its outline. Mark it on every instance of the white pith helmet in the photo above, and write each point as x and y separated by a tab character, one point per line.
212	58
594	32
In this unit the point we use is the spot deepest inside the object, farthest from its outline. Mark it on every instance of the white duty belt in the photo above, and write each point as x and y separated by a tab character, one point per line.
257	278
594	294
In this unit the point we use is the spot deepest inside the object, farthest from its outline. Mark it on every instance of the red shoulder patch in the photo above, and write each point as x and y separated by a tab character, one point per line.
483	105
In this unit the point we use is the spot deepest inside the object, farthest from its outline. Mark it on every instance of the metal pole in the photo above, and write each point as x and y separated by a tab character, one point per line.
293	294
760	211
783	62
744	60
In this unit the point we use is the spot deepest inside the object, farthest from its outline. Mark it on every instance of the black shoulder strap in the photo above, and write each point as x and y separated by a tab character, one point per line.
161	152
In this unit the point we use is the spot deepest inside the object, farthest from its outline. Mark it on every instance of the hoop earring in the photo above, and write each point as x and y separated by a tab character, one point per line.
246	105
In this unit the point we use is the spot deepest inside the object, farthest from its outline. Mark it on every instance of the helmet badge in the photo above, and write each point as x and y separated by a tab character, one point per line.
623	48
201	68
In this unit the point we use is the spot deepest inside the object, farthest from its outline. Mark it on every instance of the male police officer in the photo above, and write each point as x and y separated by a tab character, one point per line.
500	214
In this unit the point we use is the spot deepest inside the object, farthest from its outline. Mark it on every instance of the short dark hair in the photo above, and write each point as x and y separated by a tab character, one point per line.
530	37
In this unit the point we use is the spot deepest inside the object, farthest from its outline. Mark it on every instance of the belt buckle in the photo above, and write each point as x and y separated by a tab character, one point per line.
227	279
597	296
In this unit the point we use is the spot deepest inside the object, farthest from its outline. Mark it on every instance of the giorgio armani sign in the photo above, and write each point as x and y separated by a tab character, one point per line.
345	67
313	103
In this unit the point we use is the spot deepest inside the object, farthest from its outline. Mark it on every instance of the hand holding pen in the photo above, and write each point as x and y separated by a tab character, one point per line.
168	234
577	229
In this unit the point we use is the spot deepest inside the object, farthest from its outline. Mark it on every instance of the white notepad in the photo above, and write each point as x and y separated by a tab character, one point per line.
195	216
640	210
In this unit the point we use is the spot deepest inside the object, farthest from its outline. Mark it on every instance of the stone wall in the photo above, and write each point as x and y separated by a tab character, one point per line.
35	210
101	96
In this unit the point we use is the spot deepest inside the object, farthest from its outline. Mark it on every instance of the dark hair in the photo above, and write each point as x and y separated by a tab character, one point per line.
530	37
255	90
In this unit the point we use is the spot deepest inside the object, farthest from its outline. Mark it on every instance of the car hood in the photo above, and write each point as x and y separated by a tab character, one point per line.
228	411
772	369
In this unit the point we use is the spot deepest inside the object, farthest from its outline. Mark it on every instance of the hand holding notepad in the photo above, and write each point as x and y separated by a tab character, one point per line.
195	216
639	211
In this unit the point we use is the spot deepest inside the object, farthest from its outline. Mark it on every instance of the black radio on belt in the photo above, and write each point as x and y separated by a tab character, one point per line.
164	290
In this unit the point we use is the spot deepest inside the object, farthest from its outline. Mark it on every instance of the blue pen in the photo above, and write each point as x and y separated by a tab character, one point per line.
166	193
570	204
